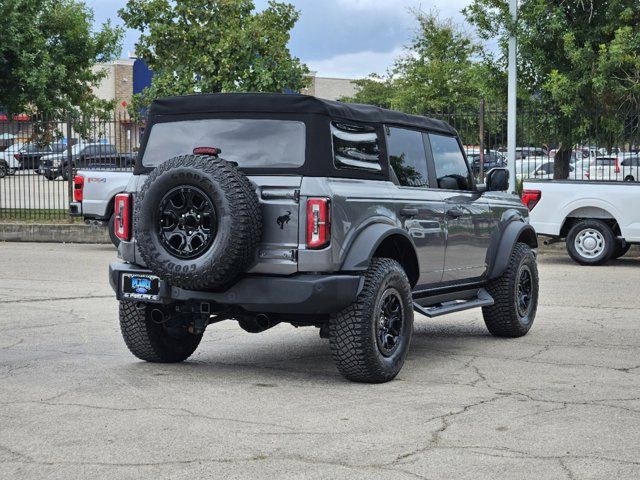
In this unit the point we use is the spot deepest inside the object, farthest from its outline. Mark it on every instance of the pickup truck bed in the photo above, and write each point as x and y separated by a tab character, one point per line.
560	210
97	189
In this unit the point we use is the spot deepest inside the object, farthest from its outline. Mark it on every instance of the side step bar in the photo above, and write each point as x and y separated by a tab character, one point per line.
482	300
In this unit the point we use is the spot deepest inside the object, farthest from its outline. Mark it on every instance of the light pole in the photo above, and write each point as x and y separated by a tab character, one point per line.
511	99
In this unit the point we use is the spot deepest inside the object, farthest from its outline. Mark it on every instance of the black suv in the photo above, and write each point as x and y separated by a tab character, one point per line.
265	208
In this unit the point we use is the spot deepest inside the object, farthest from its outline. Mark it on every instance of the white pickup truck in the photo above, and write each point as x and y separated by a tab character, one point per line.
93	195
599	221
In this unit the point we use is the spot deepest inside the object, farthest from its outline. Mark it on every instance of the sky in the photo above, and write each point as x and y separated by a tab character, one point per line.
336	38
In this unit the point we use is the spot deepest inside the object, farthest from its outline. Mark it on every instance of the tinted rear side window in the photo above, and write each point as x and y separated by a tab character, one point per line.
605	162
251	143
451	167
407	157
355	146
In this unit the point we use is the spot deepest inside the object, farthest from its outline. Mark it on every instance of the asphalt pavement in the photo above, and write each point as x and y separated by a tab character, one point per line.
562	402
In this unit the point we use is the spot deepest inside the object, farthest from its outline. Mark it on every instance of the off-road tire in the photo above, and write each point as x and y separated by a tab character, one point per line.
503	318
112	230
607	250
151	341
353	332
239	222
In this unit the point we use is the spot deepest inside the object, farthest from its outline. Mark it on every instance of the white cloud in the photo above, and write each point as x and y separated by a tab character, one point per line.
355	65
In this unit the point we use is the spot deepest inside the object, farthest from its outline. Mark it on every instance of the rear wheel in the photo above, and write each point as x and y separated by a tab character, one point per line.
591	242
515	294
4	170
153	337
370	339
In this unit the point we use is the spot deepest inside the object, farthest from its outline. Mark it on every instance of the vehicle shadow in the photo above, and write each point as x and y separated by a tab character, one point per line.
308	359
628	261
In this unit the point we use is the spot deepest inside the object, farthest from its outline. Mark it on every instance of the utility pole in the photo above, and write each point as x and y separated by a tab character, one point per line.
511	99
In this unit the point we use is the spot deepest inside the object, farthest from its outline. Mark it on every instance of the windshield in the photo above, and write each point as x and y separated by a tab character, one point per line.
251	143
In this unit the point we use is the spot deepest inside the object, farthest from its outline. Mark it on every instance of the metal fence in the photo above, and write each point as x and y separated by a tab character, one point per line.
38	157
608	147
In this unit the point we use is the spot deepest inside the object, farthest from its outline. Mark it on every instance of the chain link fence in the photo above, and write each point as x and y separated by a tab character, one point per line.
39	157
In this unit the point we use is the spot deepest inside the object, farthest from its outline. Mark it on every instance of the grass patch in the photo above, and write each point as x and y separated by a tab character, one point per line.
37	215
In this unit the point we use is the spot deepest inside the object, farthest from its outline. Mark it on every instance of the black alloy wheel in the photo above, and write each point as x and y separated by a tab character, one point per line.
188	222
524	292
390	319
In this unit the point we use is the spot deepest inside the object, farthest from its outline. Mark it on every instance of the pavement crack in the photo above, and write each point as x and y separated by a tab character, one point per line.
167	410
55	299
446	421
11	345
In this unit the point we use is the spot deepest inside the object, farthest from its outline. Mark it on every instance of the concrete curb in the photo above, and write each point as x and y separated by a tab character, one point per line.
53	233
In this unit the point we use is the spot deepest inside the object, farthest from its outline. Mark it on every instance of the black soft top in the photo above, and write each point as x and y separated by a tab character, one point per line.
289	103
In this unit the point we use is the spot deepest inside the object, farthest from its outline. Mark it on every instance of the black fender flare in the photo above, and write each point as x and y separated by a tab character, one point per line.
503	243
367	242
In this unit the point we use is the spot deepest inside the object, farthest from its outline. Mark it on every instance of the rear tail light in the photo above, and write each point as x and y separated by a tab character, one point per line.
617	166
530	198
16	156
78	188
318	223
122	212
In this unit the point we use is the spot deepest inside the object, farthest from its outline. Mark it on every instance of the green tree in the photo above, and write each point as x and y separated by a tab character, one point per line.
578	60
47	51
440	68
206	46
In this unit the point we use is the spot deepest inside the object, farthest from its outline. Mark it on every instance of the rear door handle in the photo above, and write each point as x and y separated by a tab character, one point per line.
409	212
455	212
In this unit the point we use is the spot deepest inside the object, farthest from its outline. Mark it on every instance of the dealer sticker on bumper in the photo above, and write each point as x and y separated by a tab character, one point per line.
140	286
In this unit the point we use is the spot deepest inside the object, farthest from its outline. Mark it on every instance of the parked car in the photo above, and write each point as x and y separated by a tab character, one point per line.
9	163
625	166
492	159
314	213
544	171
581	169
29	157
526	166
598	221
85	156
605	168
94	193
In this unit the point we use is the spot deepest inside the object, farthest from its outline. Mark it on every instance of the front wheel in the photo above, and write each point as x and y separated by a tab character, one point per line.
4	170
591	242
515	294
153	337
370	339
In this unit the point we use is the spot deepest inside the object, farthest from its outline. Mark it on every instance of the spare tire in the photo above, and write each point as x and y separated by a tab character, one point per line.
197	222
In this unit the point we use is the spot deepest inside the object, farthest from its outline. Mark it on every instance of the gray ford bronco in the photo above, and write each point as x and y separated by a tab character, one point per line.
268	208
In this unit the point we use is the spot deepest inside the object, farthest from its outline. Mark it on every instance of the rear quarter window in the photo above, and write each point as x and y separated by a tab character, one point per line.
355	147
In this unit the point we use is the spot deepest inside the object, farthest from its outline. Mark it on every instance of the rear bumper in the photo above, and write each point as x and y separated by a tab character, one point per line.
295	294
75	209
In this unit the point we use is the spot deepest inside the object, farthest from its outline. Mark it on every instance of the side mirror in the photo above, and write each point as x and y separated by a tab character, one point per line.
497	180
